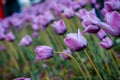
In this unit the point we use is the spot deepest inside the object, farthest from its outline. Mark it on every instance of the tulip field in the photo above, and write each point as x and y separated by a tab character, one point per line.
62	40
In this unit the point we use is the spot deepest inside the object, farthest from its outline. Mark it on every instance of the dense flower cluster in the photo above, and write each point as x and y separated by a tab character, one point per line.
52	13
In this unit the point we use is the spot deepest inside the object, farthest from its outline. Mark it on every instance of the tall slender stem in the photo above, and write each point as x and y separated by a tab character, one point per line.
116	58
83	65
93	65
75	61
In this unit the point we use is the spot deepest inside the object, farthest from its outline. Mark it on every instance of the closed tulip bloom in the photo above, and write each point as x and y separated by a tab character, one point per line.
59	27
65	54
106	43
26	41
90	28
112	24
10	37
43	52
101	34
23	78
75	41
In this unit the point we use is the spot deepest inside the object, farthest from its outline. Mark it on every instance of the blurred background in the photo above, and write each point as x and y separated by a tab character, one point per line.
8	7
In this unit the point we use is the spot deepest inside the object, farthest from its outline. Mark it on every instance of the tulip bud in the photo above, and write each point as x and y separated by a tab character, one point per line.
43	52
59	27
75	41
106	43
26	41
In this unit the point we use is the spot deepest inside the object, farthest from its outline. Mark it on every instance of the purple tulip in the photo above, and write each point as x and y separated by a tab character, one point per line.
59	27
76	41
35	27
65	54
26	41
112	24
90	28
77	4
111	5
2	36
104	12
101	34
43	52
81	13
5	23
68	12
10	37
23	78
106	43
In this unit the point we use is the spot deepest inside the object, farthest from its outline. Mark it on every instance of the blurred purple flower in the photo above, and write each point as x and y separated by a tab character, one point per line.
26	41
2	48
81	13
6	23
43	52
65	54
111	5
2	36
68	12
35	34
35	27
10	37
23	78
112	24
76	41
59	27
106	43
101	34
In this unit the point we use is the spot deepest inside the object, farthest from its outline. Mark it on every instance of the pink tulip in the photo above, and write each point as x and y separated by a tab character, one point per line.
75	41
106	43
43	52
59	27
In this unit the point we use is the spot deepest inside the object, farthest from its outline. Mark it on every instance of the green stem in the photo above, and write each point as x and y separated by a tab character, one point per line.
75	61
83	65
93	65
